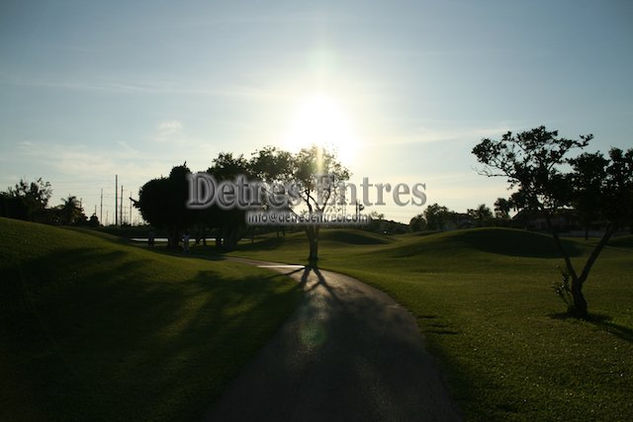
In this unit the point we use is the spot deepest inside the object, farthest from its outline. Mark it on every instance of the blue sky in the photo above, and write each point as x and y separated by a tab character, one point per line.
91	89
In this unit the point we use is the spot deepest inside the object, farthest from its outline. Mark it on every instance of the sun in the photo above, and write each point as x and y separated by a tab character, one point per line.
322	120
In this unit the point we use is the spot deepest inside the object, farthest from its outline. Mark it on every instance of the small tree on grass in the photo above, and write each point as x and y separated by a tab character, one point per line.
318	175
538	164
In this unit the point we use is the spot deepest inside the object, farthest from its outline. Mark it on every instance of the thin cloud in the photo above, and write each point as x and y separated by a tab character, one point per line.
170	126
157	87
168	131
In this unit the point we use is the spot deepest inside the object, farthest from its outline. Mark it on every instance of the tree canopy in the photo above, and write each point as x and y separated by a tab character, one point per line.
547	177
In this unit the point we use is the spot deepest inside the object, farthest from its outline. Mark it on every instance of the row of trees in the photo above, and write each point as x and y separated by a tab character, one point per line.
573	218
162	201
437	217
29	201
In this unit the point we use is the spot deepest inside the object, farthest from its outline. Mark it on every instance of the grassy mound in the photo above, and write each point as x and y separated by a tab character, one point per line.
484	301
502	241
97	330
353	237
416	248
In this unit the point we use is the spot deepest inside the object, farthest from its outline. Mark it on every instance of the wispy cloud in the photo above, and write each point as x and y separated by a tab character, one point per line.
159	87
170	126
168	131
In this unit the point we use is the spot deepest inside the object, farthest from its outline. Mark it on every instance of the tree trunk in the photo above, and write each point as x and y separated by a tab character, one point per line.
561	249
313	240
579	306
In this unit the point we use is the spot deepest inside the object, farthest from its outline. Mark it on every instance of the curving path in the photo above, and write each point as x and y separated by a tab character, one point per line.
349	352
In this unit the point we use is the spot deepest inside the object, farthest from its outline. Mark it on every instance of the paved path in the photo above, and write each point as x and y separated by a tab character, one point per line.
349	352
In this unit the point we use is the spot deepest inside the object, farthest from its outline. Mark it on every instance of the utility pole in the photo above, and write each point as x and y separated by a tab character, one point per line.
116	199
130	220
121	218
101	208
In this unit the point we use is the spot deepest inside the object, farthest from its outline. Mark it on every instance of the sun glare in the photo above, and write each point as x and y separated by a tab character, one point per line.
321	120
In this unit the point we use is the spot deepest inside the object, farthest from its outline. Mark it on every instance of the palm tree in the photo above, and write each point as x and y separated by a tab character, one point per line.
70	210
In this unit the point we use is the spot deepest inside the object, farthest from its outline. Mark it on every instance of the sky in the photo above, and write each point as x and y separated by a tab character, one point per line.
403	89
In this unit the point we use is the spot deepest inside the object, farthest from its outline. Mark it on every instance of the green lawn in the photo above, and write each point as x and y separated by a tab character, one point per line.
483	300
94	329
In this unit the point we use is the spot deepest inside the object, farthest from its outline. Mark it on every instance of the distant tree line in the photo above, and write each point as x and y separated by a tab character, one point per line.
29	201
576	217
437	217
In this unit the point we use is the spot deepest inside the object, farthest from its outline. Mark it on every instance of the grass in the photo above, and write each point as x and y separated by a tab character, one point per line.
484	301
94	329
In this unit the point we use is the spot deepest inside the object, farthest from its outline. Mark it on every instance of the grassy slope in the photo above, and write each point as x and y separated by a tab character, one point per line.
98	330
484	301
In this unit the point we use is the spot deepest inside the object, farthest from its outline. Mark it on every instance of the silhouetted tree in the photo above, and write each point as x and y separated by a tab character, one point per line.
273	167
230	224
481	215
70	211
590	171
94	221
27	200
13	207
536	163
502	208
162	203
417	223
437	217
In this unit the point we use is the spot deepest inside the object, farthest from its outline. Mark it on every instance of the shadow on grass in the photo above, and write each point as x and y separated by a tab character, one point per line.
517	243
603	322
109	334
353	237
100	234
269	243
